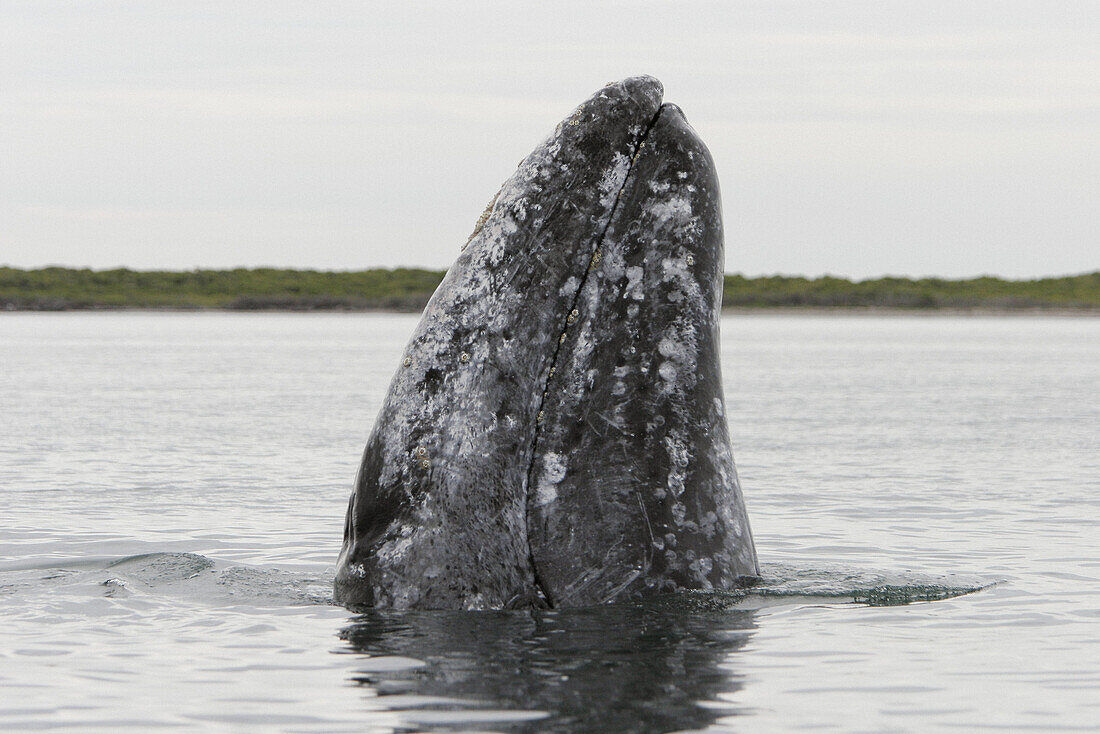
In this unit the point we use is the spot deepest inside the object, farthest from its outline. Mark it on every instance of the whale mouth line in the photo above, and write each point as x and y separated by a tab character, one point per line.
556	436
541	587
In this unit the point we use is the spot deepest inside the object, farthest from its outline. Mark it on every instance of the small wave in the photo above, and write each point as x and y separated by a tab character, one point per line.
872	588
161	568
783	584
196	578
185	577
271	586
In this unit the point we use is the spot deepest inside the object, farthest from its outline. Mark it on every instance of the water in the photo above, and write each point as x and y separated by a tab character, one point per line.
172	491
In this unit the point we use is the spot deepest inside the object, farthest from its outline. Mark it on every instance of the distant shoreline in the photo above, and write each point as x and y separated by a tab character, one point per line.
854	311
407	290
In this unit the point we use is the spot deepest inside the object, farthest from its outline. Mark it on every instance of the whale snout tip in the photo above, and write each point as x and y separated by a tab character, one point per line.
643	88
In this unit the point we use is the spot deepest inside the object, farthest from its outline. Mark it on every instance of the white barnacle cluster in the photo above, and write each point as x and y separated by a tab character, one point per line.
420	455
619	388
679	348
679	343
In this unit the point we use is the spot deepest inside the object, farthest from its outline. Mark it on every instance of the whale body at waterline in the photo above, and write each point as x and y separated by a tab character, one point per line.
555	434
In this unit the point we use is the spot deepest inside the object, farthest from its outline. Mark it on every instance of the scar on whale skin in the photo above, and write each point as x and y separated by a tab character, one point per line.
556	433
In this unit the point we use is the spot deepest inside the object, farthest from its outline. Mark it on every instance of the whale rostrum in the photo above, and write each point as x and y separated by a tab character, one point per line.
555	434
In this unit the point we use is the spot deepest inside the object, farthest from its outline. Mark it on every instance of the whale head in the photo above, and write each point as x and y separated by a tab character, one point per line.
555	433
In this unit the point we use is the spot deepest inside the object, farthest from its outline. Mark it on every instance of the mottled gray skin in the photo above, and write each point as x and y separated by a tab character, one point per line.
438	515
634	490
556	432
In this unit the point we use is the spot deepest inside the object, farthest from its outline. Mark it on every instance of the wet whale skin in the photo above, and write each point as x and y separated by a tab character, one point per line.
634	490
555	432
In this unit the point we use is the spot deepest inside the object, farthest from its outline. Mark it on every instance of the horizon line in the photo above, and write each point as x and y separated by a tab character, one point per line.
727	273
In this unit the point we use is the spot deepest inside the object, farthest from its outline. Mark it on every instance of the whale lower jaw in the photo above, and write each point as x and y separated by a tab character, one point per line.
556	433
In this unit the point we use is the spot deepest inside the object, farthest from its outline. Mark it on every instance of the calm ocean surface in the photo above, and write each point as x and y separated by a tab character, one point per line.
173	487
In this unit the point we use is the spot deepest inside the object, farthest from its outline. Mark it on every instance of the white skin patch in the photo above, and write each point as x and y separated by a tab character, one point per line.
569	288
613	179
676	209
678	458
634	283
553	471
612	265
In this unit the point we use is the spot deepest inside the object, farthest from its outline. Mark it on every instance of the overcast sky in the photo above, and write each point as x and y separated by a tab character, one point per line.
853	138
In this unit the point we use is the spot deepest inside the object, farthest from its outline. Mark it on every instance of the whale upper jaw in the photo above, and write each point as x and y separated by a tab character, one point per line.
555	433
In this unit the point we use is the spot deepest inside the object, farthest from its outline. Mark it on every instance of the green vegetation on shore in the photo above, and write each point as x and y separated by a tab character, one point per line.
1071	292
59	289
408	289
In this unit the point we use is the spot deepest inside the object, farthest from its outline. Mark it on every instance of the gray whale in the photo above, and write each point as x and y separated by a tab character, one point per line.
556	432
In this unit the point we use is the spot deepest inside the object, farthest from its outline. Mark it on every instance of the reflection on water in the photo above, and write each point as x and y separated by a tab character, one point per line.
622	668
